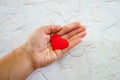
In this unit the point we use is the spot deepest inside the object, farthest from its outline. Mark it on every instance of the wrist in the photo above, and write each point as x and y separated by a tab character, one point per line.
29	49
27	54
23	65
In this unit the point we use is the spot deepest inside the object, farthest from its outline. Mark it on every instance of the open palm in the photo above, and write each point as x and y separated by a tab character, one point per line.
40	47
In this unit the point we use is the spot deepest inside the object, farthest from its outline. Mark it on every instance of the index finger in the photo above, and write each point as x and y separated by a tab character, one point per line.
68	28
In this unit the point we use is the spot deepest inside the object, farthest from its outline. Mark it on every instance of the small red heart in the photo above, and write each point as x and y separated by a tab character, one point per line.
58	43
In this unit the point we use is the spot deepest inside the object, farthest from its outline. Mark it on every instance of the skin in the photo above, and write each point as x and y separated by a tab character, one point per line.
36	52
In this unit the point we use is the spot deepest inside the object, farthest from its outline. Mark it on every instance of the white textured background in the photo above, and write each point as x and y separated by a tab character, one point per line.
96	58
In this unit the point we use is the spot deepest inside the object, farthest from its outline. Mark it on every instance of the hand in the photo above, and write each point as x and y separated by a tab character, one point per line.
38	44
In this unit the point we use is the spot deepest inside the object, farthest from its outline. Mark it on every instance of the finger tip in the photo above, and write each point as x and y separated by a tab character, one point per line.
84	27
74	25
76	22
79	40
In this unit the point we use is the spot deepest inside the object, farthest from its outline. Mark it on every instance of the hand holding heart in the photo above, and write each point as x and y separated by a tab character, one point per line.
49	43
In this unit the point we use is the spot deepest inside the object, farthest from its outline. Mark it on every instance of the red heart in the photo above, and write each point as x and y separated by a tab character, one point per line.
58	43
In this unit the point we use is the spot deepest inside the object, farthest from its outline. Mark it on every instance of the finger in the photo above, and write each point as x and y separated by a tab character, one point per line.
72	44
69	27
79	35
73	33
52	28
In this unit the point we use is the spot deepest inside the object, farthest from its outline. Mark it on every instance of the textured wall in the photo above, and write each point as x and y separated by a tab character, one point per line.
96	58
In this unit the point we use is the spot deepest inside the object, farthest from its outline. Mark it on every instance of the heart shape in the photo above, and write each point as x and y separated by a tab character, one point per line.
58	43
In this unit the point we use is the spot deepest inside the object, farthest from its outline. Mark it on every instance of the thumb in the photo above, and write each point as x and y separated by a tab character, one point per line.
52	29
